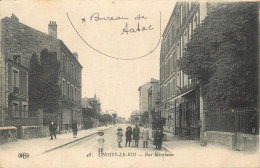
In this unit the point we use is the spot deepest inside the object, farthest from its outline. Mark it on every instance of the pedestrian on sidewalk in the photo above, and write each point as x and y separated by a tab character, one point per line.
75	129
159	138
128	135
52	129
101	142
136	136
119	136
155	134
145	136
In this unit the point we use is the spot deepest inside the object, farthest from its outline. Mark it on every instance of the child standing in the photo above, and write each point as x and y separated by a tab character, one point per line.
119	137
101	141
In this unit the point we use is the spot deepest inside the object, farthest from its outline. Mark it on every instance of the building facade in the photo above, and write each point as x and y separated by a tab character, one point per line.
153	101
180	98
19	41
143	95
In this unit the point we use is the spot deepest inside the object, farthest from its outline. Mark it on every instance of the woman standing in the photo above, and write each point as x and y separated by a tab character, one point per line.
145	137
119	137
136	133
159	138
128	135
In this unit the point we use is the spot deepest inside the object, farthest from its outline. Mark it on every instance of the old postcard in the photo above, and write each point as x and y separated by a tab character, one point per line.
128	83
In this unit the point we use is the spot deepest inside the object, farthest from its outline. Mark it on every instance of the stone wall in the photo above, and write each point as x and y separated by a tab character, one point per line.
28	132
226	139
234	141
8	134
247	142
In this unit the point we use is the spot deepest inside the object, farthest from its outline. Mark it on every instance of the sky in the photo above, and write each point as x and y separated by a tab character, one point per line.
114	81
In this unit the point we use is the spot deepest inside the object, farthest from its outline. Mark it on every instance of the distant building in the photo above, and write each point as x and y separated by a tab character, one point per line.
93	103
18	43
153	101
143	95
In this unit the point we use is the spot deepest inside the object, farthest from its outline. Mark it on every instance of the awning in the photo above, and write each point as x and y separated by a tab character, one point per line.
183	94
178	97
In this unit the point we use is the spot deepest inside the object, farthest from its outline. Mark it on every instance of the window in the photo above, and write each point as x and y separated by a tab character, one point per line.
195	22
15	112
15	81
78	77
63	87
178	50
72	68
72	90
75	94
178	79
24	111
75	74
17	59
68	66
64	62
16	84
173	86
68	89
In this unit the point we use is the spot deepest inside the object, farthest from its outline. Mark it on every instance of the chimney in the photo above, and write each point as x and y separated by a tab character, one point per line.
75	55
14	17
52	31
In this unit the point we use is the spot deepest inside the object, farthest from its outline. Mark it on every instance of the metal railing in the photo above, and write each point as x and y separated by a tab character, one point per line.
244	121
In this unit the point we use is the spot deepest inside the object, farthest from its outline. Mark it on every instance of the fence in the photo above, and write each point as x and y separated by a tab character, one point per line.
244	121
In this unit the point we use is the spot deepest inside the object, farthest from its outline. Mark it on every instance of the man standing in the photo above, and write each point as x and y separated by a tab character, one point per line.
145	137
75	129
52	129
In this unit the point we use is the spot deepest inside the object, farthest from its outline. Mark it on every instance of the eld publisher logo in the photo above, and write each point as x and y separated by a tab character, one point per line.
23	155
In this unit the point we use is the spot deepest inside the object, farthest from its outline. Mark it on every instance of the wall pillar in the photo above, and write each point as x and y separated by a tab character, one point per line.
202	118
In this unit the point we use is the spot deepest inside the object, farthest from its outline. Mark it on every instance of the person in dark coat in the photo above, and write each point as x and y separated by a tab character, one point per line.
52	129
155	135
136	136
128	135
75	129
159	138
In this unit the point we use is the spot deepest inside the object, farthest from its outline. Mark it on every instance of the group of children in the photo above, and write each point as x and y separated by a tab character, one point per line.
130	134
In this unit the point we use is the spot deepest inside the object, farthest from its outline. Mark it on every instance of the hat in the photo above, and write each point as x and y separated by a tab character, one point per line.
100	133
119	129
128	128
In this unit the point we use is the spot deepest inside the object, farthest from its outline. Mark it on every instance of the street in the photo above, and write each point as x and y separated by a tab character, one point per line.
84	153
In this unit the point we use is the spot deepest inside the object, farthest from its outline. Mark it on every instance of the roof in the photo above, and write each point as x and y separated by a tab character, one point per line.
58	40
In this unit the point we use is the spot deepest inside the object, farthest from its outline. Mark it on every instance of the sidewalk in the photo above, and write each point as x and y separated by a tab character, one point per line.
206	156
45	144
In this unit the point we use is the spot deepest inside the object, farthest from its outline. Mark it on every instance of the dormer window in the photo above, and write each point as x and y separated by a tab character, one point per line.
17	59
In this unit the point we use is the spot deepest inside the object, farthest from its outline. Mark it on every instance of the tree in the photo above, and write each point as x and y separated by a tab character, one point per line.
33	85
145	117
48	83
114	118
222	56
89	112
158	123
